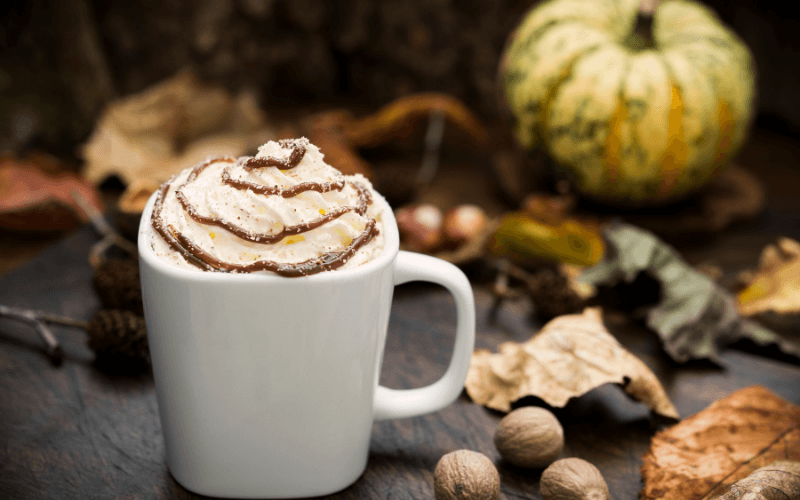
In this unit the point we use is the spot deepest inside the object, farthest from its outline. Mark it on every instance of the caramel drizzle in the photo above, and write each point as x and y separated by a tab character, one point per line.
320	187
298	152
202	259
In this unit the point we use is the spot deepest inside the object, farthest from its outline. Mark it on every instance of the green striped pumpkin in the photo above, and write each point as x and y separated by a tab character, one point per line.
629	125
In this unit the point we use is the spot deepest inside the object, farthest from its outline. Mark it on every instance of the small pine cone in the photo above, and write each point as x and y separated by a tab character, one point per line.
117	284
552	294
119	336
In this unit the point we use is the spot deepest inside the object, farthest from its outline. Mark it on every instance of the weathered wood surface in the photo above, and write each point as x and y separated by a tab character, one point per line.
72	432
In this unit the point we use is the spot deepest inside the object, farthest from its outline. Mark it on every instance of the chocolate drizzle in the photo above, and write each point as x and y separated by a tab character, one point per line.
298	147
325	262
320	187
202	259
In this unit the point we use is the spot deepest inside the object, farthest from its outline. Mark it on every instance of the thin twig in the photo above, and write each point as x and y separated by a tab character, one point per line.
38	319
63	321
54	351
433	143
110	236
501	291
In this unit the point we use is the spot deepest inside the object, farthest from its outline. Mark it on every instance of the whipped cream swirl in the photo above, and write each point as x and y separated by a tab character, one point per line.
283	211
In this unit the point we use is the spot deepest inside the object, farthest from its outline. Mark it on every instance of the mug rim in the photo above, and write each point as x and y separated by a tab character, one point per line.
386	257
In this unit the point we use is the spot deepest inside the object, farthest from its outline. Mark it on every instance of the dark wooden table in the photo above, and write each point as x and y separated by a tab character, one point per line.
71	431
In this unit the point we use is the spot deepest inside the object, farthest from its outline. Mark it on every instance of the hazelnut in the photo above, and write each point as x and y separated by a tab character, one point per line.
463	223
466	475
420	226
529	437
573	479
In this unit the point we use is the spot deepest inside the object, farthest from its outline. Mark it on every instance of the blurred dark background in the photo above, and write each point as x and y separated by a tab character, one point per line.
62	61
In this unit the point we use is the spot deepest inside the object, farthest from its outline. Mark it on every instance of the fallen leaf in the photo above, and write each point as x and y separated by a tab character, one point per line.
694	315
569	357
400	117
699	457
32	200
775	286
526	239
776	481
170	126
340	135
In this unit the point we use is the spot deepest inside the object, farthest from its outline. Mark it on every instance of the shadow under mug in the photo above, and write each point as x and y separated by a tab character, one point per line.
267	386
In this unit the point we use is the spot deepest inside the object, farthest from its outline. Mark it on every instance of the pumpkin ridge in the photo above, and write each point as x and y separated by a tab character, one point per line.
614	139
542	30
675	153
552	92
513	75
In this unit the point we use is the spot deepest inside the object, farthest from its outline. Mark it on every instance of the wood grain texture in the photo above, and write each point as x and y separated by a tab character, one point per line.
71	432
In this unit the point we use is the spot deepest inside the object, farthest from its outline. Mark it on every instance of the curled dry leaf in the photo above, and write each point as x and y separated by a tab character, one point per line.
525	239
545	229
570	356
32	200
170	126
400	117
694	315
339	134
326	130
776	284
700	457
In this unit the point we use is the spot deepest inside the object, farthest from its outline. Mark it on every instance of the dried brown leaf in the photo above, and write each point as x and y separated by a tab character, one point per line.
776	284
170	126
570	356
525	240
400	117
701	456
31	200
694	315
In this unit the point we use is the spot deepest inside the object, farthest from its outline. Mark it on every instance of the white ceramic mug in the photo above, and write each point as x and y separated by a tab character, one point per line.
268	386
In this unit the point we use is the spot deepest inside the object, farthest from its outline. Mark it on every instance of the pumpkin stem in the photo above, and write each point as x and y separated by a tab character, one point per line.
642	36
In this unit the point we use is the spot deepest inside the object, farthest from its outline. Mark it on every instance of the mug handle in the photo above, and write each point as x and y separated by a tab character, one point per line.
394	403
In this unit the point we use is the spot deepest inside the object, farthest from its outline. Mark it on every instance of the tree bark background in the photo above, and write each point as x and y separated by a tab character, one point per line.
59	64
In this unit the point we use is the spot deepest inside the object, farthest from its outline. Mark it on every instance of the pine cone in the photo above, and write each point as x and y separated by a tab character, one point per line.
552	294
119	339
117	284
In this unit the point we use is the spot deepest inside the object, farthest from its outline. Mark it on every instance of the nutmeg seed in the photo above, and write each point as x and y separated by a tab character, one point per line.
530	437
573	479
466	475
420	226
463	223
